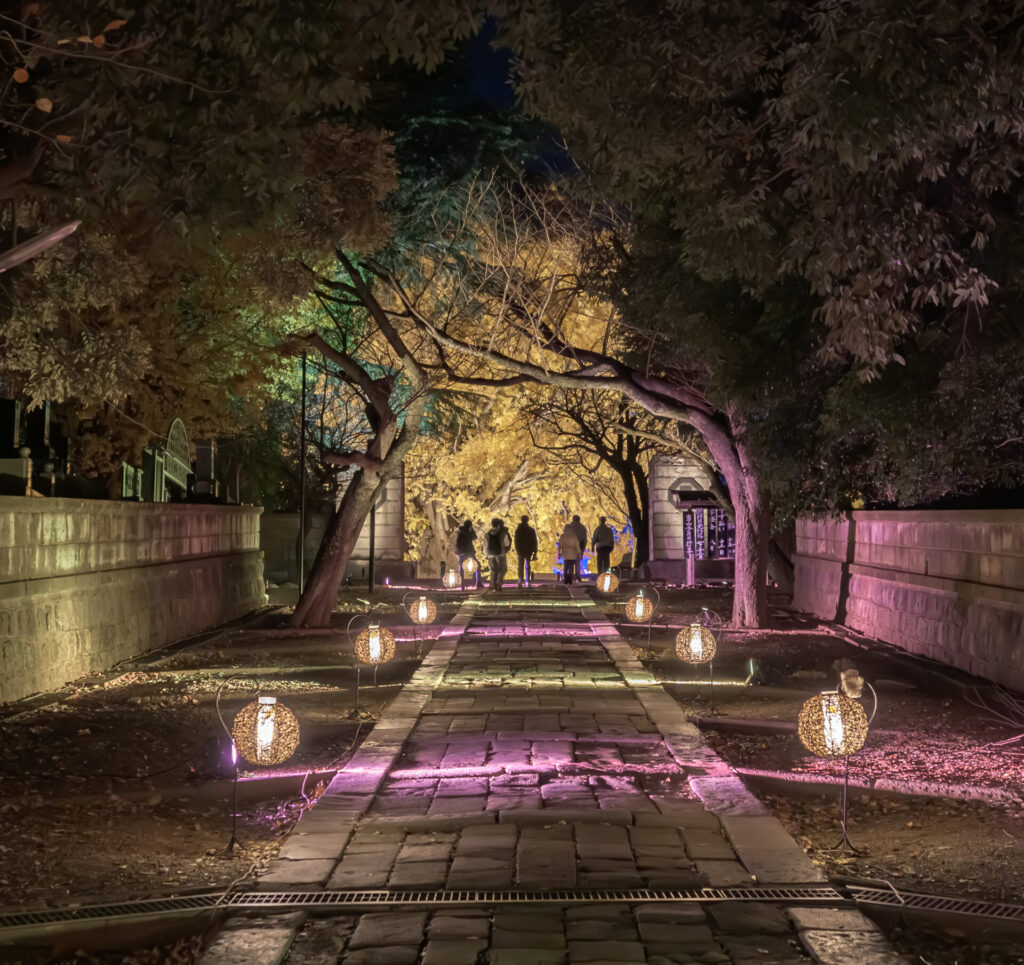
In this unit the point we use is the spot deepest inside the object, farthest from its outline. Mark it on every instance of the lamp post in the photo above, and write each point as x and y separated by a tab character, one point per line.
697	644
373	645
831	724
640	609
264	733
422	612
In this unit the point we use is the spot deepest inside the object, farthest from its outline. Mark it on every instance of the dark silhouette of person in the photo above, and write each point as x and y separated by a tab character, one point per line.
526	548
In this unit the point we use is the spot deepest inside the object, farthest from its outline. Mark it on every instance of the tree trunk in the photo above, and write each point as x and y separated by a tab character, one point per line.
643	534
321	592
750	595
750	502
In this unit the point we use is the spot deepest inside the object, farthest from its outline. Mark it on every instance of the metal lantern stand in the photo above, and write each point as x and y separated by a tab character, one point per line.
233	841
416	623
351	643
655	601
709	620
844	843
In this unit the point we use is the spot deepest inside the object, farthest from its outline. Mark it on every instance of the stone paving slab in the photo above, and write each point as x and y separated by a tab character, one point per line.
532	751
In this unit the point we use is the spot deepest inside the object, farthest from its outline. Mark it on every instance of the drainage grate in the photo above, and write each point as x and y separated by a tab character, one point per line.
13	924
348	899
912	901
339	900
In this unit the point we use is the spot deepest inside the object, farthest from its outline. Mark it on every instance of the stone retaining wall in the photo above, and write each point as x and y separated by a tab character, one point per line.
944	584
87	583
279	533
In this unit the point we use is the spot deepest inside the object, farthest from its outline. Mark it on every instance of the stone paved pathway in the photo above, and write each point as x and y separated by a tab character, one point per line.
532	751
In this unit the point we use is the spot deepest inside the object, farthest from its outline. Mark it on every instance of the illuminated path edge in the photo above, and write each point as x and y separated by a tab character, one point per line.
352	836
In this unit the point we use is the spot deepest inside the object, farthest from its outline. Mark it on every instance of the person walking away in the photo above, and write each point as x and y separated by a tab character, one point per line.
526	548
603	542
498	544
465	550
570	549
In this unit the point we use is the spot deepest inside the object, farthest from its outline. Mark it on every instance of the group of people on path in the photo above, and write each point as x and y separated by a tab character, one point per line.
497	542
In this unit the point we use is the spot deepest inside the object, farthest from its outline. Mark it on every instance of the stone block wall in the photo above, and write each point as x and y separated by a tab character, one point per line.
279	532
946	584
87	583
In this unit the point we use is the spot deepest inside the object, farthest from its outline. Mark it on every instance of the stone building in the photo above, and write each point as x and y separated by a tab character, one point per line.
692	539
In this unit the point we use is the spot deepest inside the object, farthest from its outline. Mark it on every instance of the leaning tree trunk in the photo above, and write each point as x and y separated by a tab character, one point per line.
321	591
750	595
750	502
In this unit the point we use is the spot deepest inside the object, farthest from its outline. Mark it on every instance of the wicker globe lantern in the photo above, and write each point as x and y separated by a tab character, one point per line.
469	566
832	725
423	611
376	644
639	608
265	732
696	644
607	582
451	580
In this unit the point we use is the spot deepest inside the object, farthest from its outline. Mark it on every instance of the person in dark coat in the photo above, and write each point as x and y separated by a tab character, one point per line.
526	548
498	544
602	542
465	550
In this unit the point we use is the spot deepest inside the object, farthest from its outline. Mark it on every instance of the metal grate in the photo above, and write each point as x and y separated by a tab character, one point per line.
913	901
13	923
328	900
347	899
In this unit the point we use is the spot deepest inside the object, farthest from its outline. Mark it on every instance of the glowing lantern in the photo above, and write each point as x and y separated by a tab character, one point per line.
469	566
376	644
696	644
423	611
639	608
832	725
451	579
607	582
265	732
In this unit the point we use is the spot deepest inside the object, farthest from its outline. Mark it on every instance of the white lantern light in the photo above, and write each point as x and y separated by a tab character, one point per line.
607	582
451	579
265	732
639	608
696	644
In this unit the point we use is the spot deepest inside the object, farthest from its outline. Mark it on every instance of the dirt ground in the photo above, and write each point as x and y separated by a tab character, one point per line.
929	730
121	787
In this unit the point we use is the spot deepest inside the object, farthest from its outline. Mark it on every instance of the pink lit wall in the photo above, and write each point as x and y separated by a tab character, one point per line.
946	584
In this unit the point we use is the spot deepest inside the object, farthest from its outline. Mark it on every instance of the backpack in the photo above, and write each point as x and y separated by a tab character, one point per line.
498	542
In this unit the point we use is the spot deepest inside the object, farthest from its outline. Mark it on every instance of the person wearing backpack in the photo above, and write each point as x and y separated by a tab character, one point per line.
526	549
464	549
498	544
603	543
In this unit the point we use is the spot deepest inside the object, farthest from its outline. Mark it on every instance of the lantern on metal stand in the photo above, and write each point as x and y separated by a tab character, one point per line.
640	608
832	724
451	579
697	644
607	582
264	733
468	569
422	612
373	645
